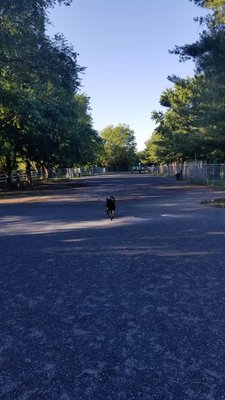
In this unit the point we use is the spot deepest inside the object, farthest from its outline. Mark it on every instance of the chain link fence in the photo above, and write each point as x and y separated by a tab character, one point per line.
196	171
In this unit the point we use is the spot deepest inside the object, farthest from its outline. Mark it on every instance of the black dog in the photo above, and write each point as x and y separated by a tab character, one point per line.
110	206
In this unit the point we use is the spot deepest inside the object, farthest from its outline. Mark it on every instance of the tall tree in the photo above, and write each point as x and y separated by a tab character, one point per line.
119	146
208	54
194	121
159	150
179	127
38	80
83	145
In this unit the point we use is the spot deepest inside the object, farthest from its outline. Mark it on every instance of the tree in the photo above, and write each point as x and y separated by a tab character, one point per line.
208	54
179	127
119	146
38	80
193	123
156	150
217	6
84	145
37	101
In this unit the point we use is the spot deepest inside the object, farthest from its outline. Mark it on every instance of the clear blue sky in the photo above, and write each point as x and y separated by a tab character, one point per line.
124	46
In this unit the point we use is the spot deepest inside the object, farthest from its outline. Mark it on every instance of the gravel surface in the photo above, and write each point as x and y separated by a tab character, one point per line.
94	309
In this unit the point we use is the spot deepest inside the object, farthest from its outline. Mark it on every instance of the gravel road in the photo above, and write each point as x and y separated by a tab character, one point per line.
94	309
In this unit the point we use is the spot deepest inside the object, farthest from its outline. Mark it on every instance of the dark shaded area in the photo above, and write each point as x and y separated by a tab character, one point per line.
43	186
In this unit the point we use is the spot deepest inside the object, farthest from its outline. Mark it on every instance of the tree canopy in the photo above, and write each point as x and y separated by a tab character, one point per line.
119	146
41	119
193	124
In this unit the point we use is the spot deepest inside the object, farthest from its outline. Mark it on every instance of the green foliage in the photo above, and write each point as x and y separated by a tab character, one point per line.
84	145
156	151
40	119
142	158
193	124
119	146
217	6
